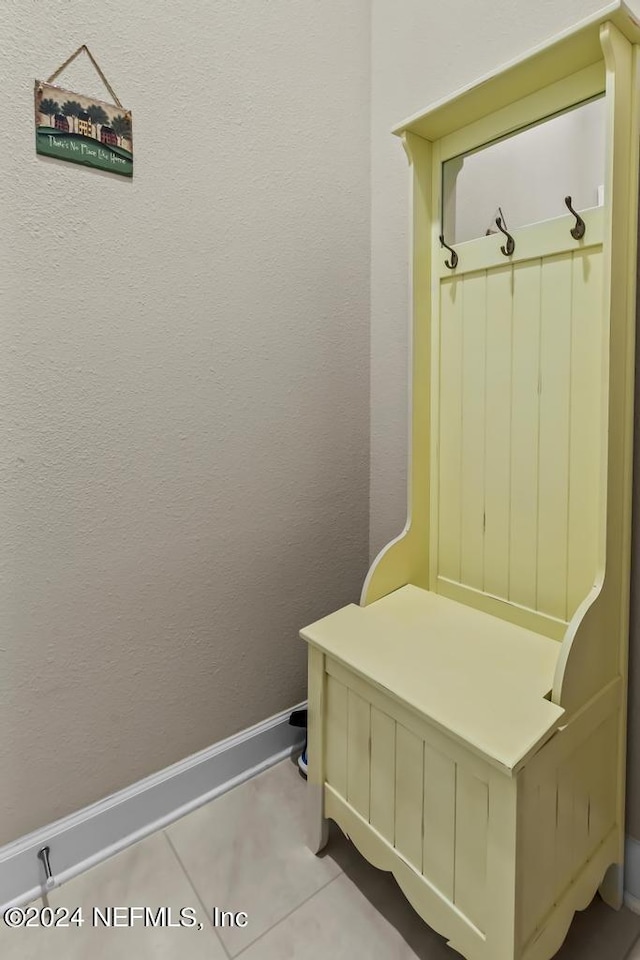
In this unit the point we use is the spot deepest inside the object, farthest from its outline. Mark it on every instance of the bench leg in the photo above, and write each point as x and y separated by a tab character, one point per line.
612	887
318	827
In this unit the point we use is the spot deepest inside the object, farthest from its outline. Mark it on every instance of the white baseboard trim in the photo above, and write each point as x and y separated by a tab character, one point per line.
632	874
89	836
632	903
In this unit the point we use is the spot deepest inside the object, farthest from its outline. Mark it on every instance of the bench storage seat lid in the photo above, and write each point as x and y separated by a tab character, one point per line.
478	678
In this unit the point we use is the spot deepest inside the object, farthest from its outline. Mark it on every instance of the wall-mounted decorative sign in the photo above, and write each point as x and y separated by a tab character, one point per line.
71	126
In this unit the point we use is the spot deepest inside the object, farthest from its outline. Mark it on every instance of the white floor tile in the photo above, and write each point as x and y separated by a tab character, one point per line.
246	852
635	953
340	922
600	933
148	875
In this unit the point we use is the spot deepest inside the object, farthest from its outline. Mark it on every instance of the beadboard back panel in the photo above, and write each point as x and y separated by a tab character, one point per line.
520	373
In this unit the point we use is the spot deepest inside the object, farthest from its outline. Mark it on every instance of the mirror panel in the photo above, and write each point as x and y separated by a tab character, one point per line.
526	175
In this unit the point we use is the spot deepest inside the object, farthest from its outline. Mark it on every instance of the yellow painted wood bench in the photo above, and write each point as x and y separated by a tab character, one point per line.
467	720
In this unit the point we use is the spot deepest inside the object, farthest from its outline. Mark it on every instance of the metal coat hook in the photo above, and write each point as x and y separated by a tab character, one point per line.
43	855
510	245
454	256
580	228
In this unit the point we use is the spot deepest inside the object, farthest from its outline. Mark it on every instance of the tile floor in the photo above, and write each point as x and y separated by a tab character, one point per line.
245	852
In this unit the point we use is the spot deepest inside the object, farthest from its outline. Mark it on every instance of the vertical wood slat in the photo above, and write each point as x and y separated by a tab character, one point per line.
565	816
472	821
358	752
564	827
409	795
604	780
439	820
524	434
571	831
581	768
502	920
544	840
586	381
336	732
598	787
450	428
473	423
497	458
383	776
553	466
538	853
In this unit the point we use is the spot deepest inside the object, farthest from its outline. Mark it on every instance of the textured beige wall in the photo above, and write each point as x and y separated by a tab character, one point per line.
184	384
420	53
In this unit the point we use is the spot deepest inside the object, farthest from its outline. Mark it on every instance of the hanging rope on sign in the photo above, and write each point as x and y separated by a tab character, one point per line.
96	66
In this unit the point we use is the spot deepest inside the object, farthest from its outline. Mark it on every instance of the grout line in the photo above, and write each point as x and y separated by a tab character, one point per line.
287	915
631	948
197	895
627	955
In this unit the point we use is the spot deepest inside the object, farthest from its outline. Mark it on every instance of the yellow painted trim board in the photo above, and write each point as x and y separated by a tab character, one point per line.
541	105
532	242
571	51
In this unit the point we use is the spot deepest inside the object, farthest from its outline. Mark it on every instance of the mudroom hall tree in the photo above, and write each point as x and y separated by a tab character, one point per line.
467	720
